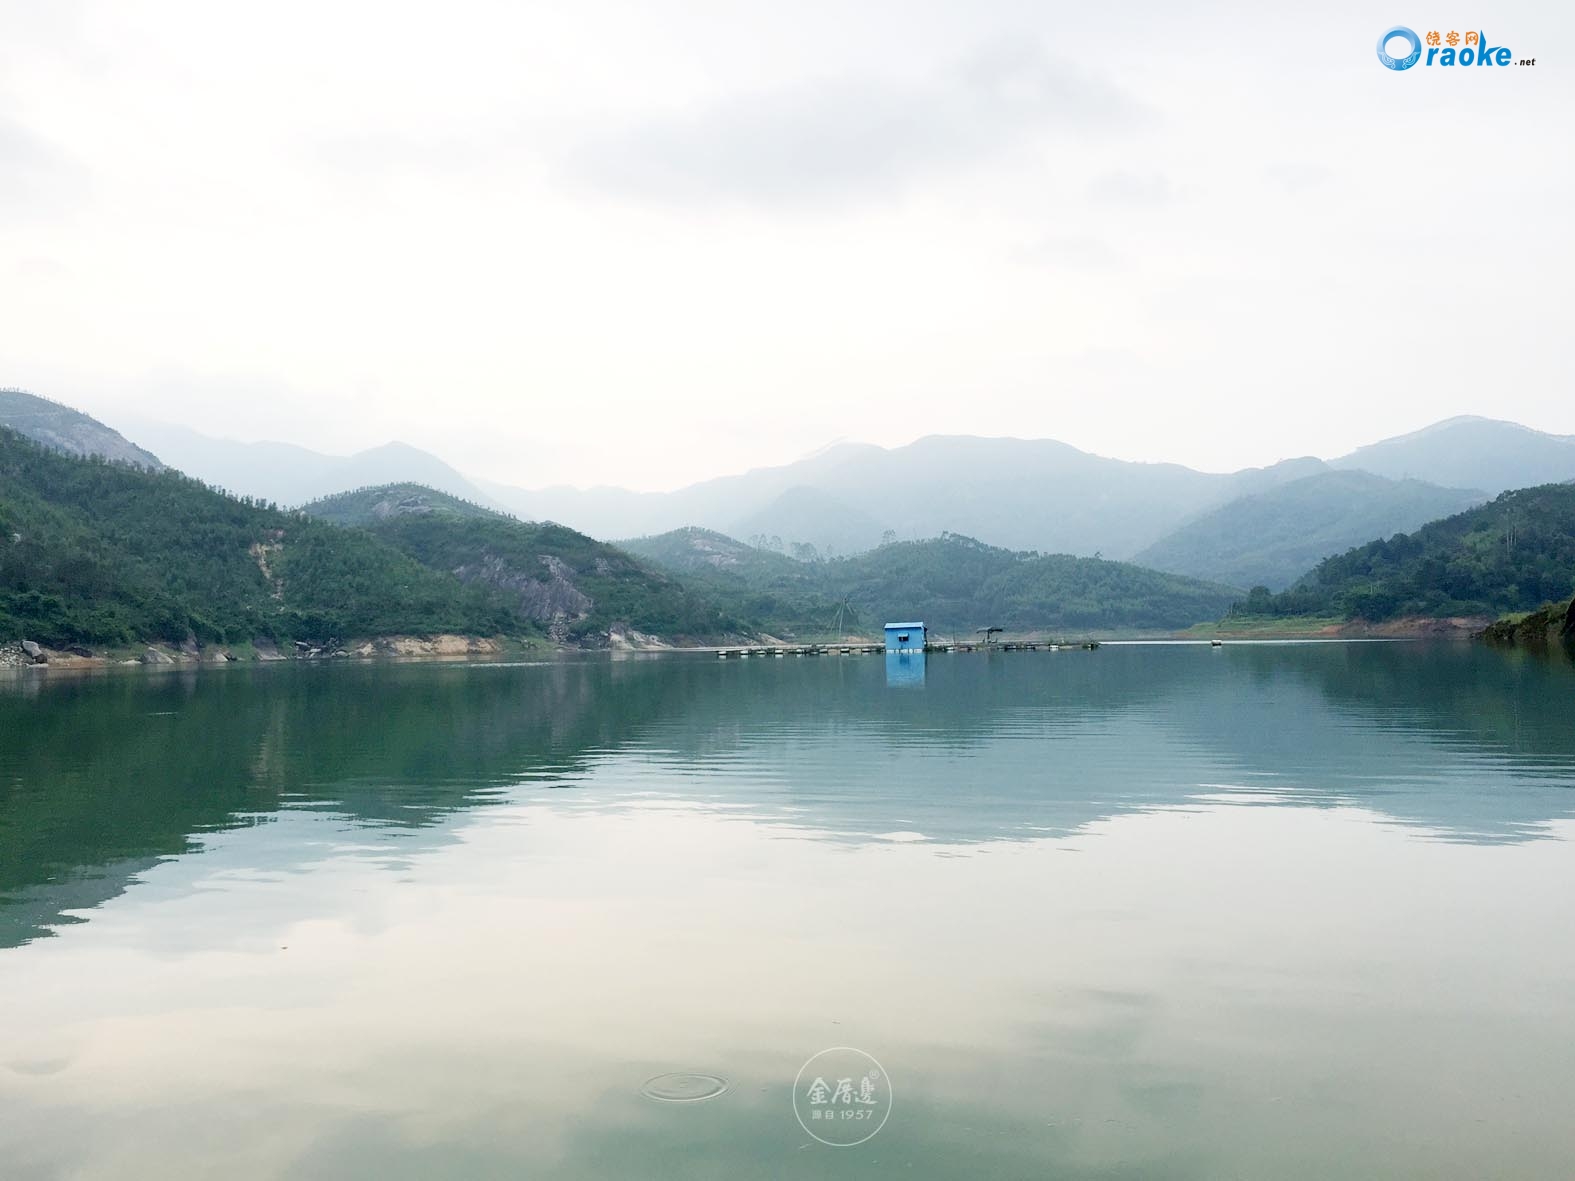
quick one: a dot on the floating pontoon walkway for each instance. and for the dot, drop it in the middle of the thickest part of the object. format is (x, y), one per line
(876, 649)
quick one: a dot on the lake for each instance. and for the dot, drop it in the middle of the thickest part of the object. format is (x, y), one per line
(1154, 911)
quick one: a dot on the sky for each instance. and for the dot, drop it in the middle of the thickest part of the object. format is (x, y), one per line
(646, 244)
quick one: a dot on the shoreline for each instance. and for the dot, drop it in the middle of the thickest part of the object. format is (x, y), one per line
(192, 655)
(450, 646)
(1406, 628)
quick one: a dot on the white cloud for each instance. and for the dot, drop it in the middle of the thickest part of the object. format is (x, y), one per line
(833, 140)
(614, 242)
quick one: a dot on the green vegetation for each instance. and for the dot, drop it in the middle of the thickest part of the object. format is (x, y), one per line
(368, 506)
(101, 553)
(949, 582)
(787, 597)
(578, 587)
(1515, 553)
(109, 554)
(1552, 623)
(955, 581)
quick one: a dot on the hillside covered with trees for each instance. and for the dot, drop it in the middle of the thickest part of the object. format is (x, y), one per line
(790, 597)
(951, 582)
(369, 506)
(94, 552)
(577, 588)
(1513, 554)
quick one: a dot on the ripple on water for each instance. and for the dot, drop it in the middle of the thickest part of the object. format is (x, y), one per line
(683, 1087)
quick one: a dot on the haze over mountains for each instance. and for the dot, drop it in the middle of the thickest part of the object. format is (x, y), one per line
(1272, 538)
(69, 431)
(1257, 526)
(291, 475)
(1469, 452)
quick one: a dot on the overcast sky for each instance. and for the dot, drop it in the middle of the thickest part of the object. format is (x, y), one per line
(644, 244)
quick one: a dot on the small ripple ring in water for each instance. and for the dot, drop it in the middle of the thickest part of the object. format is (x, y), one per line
(683, 1088)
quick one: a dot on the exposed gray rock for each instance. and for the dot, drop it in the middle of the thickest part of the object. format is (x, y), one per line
(414, 504)
(70, 431)
(545, 599)
(154, 656)
(34, 651)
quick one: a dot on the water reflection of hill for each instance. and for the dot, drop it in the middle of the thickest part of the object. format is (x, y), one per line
(1474, 743)
(102, 777)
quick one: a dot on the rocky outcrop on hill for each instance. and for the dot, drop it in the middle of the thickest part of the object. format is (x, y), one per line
(554, 597)
(64, 429)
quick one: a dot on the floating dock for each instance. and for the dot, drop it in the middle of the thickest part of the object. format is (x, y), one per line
(772, 650)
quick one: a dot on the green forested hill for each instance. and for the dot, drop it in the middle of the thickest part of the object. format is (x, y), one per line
(787, 597)
(957, 582)
(94, 552)
(693, 550)
(369, 506)
(950, 582)
(577, 587)
(1514, 553)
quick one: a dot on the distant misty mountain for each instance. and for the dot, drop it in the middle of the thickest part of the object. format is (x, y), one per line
(291, 475)
(724, 503)
(802, 512)
(69, 431)
(1026, 494)
(1260, 525)
(1272, 538)
(1039, 494)
(1470, 453)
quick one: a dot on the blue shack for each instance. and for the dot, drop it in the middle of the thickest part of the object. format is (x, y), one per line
(905, 637)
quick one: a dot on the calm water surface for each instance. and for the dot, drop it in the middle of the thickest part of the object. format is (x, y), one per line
(1300, 911)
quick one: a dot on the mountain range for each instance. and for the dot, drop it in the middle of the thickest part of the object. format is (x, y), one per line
(1259, 526)
(286, 474)
(102, 543)
(1049, 496)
